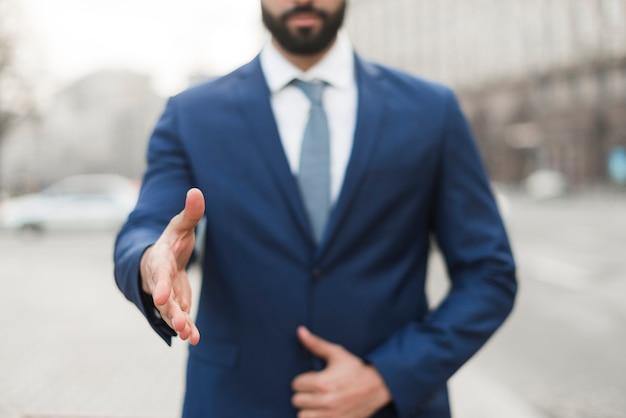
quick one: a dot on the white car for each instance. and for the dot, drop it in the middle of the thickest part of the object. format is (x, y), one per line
(88, 201)
(546, 184)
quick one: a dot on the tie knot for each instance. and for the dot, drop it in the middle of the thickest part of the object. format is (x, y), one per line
(312, 89)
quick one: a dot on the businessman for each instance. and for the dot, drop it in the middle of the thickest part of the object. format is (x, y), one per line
(324, 180)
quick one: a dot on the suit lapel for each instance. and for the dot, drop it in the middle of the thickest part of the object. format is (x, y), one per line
(370, 115)
(253, 95)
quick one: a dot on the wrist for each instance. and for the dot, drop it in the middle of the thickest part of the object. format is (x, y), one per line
(144, 271)
(380, 393)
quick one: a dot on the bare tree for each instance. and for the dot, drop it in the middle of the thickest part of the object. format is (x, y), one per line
(15, 99)
(6, 54)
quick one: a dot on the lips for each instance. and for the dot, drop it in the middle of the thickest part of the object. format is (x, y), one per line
(304, 19)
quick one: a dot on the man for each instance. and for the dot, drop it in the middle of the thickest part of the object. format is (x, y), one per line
(319, 211)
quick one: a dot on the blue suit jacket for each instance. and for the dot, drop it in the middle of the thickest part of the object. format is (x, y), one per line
(414, 173)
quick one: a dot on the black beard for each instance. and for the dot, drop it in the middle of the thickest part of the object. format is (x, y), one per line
(304, 42)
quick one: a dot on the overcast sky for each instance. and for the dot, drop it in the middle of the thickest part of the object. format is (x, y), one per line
(62, 40)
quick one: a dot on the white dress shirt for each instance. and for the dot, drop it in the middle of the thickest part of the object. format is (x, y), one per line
(291, 106)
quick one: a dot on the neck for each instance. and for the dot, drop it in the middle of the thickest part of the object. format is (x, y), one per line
(303, 62)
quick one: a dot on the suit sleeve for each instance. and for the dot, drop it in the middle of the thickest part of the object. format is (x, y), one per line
(162, 196)
(418, 359)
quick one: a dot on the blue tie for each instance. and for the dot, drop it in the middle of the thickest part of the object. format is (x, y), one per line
(314, 172)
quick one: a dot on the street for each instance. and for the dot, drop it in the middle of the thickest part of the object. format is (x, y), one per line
(563, 348)
(72, 346)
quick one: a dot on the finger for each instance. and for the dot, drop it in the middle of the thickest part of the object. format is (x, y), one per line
(313, 413)
(306, 382)
(306, 400)
(168, 306)
(190, 332)
(179, 318)
(194, 338)
(182, 291)
(180, 322)
(162, 290)
(317, 345)
(186, 332)
(187, 220)
(184, 304)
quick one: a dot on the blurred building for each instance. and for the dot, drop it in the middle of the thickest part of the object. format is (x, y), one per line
(543, 82)
(100, 123)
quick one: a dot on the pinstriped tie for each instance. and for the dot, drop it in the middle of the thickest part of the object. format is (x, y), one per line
(314, 171)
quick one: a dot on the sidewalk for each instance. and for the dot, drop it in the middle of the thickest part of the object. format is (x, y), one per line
(473, 395)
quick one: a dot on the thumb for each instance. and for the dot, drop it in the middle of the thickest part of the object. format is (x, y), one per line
(317, 345)
(192, 213)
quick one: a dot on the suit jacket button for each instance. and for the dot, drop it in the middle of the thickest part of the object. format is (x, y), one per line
(316, 273)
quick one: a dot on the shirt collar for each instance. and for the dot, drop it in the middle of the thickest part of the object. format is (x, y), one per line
(335, 68)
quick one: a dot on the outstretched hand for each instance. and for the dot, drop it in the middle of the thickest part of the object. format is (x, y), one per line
(163, 268)
(346, 388)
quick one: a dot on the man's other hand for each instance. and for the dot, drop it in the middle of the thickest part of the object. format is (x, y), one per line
(347, 387)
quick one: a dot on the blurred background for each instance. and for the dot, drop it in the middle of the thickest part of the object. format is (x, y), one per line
(542, 82)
